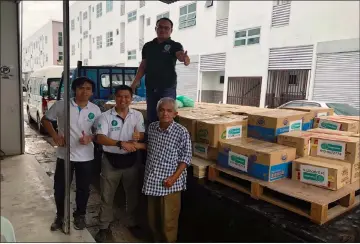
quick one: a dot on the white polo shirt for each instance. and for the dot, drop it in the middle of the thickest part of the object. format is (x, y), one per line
(113, 126)
(80, 120)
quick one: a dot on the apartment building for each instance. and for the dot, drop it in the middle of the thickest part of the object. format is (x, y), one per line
(260, 53)
(43, 48)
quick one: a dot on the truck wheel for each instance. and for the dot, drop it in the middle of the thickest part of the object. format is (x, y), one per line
(30, 120)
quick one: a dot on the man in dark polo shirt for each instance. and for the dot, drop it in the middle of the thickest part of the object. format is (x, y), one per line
(159, 58)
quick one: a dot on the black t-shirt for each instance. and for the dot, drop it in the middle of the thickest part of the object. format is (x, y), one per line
(160, 63)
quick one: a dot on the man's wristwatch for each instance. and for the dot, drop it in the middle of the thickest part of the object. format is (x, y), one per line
(118, 144)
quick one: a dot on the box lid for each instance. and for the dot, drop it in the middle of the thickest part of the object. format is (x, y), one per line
(323, 162)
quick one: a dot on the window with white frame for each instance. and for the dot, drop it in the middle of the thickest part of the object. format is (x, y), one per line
(60, 56)
(98, 10)
(148, 21)
(99, 42)
(163, 15)
(247, 37)
(132, 16)
(72, 49)
(109, 38)
(131, 55)
(60, 39)
(86, 62)
(187, 16)
(109, 5)
(85, 15)
(86, 34)
(72, 24)
(141, 3)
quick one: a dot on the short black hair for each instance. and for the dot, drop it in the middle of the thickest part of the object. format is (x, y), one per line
(167, 19)
(80, 81)
(123, 88)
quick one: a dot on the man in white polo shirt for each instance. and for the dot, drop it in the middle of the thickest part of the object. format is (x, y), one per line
(83, 115)
(119, 130)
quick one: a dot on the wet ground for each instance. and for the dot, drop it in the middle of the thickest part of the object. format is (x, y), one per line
(42, 147)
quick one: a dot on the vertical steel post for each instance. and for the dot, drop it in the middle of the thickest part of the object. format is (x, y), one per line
(66, 59)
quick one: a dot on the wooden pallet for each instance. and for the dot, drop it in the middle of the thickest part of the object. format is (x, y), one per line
(321, 205)
(200, 167)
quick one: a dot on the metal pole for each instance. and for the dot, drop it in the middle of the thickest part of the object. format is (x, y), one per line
(66, 37)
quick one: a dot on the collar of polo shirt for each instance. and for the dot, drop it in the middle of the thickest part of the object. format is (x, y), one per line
(168, 130)
(165, 41)
(75, 104)
(113, 111)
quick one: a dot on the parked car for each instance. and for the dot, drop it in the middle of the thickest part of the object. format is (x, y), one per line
(339, 108)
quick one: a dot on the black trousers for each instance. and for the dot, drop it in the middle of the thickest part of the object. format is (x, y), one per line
(83, 180)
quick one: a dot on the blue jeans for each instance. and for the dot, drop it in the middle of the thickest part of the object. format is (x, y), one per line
(152, 98)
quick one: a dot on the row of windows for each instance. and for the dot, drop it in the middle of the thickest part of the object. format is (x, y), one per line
(187, 14)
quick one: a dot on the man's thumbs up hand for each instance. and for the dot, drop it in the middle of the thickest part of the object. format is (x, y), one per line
(85, 139)
(186, 59)
(136, 135)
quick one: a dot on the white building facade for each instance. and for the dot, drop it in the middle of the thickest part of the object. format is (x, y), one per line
(43, 48)
(260, 53)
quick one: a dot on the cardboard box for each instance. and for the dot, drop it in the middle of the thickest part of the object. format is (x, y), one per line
(355, 135)
(325, 173)
(308, 122)
(204, 151)
(188, 120)
(263, 160)
(333, 123)
(268, 125)
(356, 118)
(340, 148)
(297, 139)
(211, 131)
(331, 132)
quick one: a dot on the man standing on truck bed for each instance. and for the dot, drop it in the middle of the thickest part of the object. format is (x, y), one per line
(158, 65)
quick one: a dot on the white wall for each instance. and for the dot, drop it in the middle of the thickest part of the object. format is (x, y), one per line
(310, 22)
(194, 41)
(11, 119)
(31, 51)
(211, 81)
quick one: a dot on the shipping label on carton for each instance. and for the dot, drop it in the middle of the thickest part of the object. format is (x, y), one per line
(238, 161)
(331, 149)
(232, 132)
(200, 150)
(314, 175)
(295, 125)
(331, 125)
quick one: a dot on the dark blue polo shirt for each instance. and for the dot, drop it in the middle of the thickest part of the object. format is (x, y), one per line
(160, 63)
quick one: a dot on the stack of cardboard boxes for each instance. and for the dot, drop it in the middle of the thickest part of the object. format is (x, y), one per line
(309, 144)
(328, 155)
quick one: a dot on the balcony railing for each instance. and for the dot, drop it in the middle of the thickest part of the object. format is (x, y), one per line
(222, 27)
(141, 43)
(122, 8)
(122, 47)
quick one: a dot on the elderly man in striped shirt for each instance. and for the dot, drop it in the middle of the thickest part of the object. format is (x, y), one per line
(169, 154)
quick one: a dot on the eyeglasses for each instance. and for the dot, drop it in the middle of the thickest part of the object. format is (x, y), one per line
(167, 28)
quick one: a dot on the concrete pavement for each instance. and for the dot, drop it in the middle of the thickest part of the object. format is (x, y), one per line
(27, 201)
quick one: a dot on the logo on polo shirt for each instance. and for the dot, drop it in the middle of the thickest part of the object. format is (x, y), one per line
(167, 48)
(114, 123)
(91, 116)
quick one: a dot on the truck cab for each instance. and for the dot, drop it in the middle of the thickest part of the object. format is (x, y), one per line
(106, 79)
